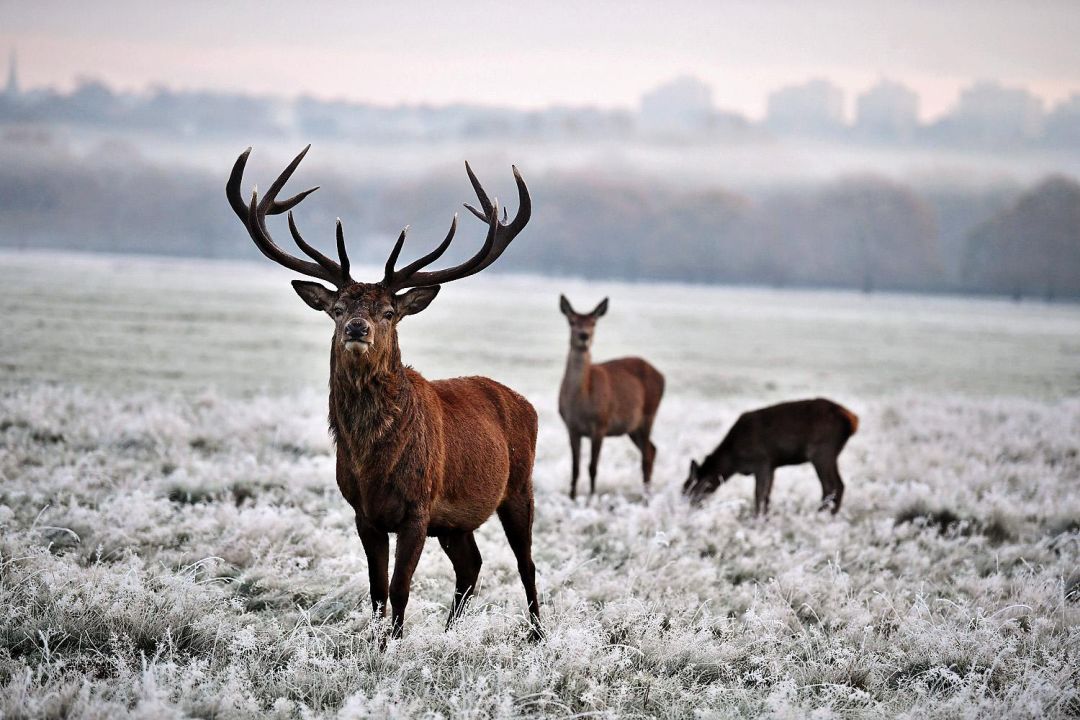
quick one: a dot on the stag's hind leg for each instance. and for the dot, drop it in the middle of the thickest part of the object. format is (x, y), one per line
(516, 515)
(461, 548)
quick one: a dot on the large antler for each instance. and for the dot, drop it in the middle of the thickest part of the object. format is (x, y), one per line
(253, 215)
(500, 235)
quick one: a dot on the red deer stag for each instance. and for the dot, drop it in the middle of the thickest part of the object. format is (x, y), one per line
(790, 433)
(618, 397)
(414, 457)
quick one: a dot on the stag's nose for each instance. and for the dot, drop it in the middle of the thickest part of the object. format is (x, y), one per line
(357, 329)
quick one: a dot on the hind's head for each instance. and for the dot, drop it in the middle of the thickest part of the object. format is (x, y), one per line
(582, 325)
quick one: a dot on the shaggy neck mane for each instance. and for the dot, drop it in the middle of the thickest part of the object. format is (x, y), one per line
(369, 396)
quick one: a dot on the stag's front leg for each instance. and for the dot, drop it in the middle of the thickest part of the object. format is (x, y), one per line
(410, 543)
(377, 548)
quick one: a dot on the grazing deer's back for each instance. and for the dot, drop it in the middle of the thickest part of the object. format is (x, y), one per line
(788, 431)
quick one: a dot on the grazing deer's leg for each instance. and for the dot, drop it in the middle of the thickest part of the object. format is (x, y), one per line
(832, 487)
(595, 443)
(762, 487)
(575, 462)
(516, 515)
(461, 548)
(410, 543)
(377, 548)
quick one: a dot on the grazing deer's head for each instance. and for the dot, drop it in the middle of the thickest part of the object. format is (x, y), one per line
(366, 314)
(701, 481)
(582, 327)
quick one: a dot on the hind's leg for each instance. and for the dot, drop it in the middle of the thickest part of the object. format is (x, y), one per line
(575, 462)
(516, 515)
(595, 444)
(461, 548)
(648, 453)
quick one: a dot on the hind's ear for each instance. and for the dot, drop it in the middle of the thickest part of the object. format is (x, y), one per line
(600, 309)
(315, 295)
(694, 468)
(564, 306)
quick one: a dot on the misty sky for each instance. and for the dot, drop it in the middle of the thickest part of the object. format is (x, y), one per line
(549, 51)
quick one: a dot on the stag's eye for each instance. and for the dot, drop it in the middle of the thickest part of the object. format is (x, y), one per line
(338, 312)
(388, 315)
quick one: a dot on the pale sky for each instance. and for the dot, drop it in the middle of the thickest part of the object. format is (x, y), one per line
(547, 52)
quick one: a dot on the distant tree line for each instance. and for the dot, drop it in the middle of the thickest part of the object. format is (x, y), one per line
(861, 232)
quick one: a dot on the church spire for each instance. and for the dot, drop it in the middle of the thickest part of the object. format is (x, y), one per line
(12, 89)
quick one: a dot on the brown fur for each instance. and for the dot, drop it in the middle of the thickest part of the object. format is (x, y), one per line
(790, 433)
(618, 397)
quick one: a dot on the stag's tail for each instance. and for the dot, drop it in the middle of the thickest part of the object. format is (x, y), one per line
(852, 418)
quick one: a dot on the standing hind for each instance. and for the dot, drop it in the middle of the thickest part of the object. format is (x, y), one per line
(618, 397)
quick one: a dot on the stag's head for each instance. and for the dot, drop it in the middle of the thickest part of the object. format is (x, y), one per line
(582, 326)
(366, 315)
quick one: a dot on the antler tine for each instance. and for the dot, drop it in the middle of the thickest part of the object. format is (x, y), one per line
(253, 215)
(499, 237)
(485, 204)
(329, 265)
(409, 270)
(269, 204)
(257, 231)
(388, 272)
(480, 215)
(461, 270)
(343, 256)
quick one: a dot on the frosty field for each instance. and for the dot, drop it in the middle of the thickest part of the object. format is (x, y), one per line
(172, 543)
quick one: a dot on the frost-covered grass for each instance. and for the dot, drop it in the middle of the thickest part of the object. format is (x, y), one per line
(172, 543)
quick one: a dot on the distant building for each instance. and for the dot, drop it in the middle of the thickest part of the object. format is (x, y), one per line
(680, 107)
(988, 113)
(12, 88)
(888, 111)
(813, 108)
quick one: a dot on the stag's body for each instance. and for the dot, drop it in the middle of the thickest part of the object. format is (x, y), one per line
(414, 458)
(790, 433)
(617, 397)
(436, 459)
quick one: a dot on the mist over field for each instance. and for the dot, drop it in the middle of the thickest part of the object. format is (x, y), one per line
(174, 544)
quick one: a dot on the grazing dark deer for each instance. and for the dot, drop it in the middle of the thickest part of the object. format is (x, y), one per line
(414, 457)
(790, 433)
(618, 397)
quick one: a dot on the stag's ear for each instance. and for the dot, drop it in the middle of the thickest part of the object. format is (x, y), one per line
(600, 309)
(412, 302)
(314, 294)
(564, 306)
